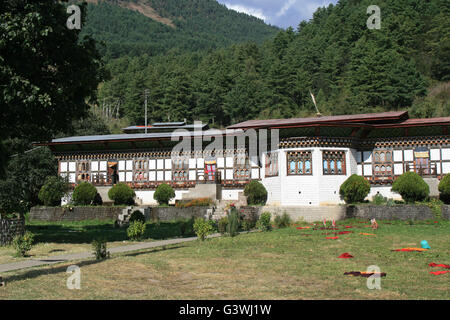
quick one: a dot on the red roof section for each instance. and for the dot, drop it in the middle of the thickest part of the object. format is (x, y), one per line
(367, 118)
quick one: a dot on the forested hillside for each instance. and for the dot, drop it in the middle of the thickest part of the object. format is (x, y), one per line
(350, 68)
(135, 27)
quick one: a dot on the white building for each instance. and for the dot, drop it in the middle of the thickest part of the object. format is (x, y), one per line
(303, 163)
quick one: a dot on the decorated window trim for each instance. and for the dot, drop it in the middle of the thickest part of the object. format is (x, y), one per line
(241, 168)
(83, 171)
(141, 172)
(383, 163)
(271, 164)
(299, 163)
(334, 163)
(180, 169)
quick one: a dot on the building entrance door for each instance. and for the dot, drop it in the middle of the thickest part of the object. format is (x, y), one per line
(210, 170)
(422, 161)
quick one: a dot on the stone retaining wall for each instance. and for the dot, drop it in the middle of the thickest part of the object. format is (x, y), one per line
(9, 228)
(446, 212)
(396, 212)
(174, 213)
(77, 213)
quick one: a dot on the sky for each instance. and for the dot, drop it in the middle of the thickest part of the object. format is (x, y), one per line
(281, 13)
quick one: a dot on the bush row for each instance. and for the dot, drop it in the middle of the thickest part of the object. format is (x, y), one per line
(409, 185)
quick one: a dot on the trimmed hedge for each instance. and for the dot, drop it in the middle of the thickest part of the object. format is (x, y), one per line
(355, 189)
(444, 189)
(122, 194)
(256, 193)
(411, 187)
(164, 193)
(84, 194)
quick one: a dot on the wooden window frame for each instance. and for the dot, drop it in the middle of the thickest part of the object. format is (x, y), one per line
(238, 168)
(180, 166)
(336, 156)
(271, 159)
(379, 163)
(300, 156)
(141, 167)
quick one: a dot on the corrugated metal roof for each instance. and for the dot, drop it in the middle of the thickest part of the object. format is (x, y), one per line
(363, 118)
(141, 136)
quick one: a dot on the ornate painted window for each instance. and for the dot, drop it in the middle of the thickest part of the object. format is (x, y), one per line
(299, 163)
(382, 163)
(272, 164)
(83, 172)
(180, 169)
(334, 162)
(241, 167)
(140, 170)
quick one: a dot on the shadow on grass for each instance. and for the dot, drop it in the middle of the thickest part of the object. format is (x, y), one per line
(152, 250)
(79, 233)
(31, 274)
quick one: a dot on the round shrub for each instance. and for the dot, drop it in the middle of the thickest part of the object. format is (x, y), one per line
(136, 230)
(355, 189)
(256, 193)
(444, 189)
(84, 194)
(411, 187)
(164, 193)
(23, 243)
(202, 228)
(137, 216)
(53, 190)
(122, 194)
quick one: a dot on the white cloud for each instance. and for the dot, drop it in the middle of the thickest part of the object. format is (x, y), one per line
(250, 11)
(285, 8)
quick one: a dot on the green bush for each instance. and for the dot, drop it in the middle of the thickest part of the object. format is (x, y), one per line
(136, 230)
(163, 194)
(256, 193)
(444, 189)
(122, 194)
(233, 222)
(263, 223)
(283, 221)
(23, 243)
(84, 194)
(137, 216)
(411, 187)
(99, 247)
(222, 225)
(202, 228)
(355, 189)
(53, 190)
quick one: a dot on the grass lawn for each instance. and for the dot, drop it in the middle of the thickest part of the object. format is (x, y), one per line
(281, 264)
(56, 238)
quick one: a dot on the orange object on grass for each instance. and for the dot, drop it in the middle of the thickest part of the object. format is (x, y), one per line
(368, 234)
(332, 238)
(411, 249)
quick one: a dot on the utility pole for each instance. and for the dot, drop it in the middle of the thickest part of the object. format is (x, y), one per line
(146, 98)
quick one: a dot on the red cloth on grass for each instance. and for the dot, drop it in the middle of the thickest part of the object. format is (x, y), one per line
(345, 255)
(332, 238)
(436, 273)
(345, 232)
(439, 265)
